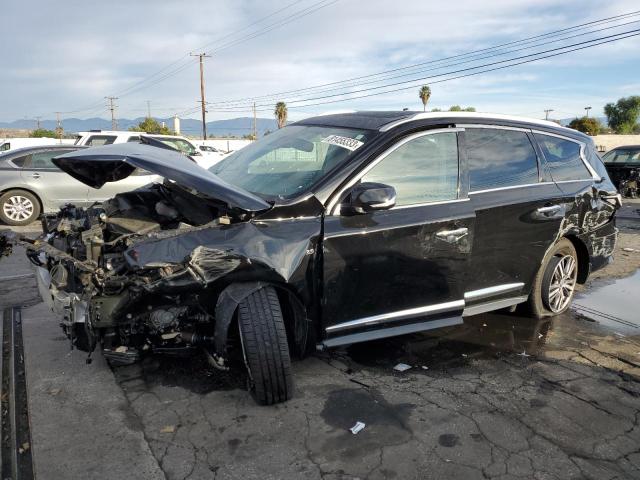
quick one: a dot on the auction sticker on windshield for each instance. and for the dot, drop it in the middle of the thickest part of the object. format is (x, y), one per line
(344, 142)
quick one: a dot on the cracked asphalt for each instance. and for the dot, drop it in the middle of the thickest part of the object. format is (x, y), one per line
(502, 397)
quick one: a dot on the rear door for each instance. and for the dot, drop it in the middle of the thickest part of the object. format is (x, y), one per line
(518, 214)
(404, 269)
(53, 185)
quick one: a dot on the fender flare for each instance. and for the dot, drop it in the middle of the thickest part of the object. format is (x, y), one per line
(226, 306)
(300, 332)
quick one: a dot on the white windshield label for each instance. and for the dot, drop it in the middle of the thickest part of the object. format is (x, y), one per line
(344, 142)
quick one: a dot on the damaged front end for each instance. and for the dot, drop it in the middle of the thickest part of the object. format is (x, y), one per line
(143, 272)
(87, 272)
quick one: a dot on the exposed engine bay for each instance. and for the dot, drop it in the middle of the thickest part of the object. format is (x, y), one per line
(85, 262)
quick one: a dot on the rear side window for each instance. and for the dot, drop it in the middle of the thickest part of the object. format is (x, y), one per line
(5, 147)
(135, 138)
(21, 161)
(97, 140)
(422, 170)
(562, 158)
(43, 159)
(499, 158)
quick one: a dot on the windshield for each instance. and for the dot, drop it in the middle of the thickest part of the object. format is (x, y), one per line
(287, 162)
(623, 156)
(179, 144)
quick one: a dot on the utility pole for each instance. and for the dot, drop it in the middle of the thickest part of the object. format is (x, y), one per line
(148, 108)
(38, 123)
(255, 125)
(112, 107)
(587, 110)
(202, 100)
(59, 126)
(546, 113)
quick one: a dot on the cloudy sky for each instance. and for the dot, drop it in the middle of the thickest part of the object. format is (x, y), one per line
(67, 56)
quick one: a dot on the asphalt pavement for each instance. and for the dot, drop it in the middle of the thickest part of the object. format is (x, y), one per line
(502, 396)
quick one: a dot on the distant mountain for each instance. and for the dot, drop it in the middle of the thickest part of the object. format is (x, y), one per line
(236, 127)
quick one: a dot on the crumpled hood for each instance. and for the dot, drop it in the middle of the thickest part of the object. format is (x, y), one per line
(98, 165)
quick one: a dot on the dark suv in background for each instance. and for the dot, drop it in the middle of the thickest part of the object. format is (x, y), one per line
(334, 230)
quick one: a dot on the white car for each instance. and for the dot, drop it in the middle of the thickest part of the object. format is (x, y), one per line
(96, 138)
(15, 143)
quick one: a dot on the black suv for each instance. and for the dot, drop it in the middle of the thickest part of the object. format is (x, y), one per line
(334, 230)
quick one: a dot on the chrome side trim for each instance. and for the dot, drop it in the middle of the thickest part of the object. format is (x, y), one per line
(333, 207)
(494, 127)
(495, 305)
(491, 291)
(426, 204)
(399, 315)
(497, 189)
(391, 331)
(469, 116)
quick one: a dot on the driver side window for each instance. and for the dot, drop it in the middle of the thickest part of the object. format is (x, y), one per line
(422, 170)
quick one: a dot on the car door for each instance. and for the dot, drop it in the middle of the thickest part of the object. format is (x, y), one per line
(54, 187)
(518, 214)
(404, 269)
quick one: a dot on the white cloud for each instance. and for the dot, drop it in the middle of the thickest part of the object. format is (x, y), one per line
(66, 56)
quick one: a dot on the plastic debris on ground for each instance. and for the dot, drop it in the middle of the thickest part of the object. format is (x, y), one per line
(357, 427)
(402, 367)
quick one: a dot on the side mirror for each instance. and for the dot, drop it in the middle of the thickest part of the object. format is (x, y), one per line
(368, 197)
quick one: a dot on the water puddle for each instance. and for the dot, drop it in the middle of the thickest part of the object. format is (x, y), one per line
(613, 304)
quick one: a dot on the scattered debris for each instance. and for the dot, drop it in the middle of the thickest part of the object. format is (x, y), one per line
(627, 249)
(24, 447)
(464, 355)
(523, 354)
(54, 391)
(357, 427)
(359, 383)
(168, 429)
(424, 367)
(402, 367)
(619, 334)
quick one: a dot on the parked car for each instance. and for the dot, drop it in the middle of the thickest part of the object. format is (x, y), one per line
(334, 230)
(30, 184)
(204, 158)
(623, 165)
(8, 144)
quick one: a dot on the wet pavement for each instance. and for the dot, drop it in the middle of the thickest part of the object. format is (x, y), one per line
(502, 396)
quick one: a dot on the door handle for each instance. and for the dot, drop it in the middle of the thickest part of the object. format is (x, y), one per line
(35, 175)
(452, 236)
(549, 209)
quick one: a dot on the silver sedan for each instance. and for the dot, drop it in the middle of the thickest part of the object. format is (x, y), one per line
(31, 184)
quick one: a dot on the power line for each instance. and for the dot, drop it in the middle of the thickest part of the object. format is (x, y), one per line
(499, 54)
(607, 39)
(516, 42)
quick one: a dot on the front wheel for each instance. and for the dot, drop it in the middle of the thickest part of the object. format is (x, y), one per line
(265, 347)
(19, 207)
(555, 282)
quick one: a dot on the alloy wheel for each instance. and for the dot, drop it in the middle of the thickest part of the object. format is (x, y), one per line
(563, 283)
(18, 208)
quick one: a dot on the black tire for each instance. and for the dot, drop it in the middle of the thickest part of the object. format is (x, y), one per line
(6, 200)
(266, 351)
(538, 303)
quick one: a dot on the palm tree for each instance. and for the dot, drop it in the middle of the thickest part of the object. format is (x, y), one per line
(424, 93)
(281, 114)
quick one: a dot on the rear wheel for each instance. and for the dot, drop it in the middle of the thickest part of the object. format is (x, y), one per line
(555, 282)
(19, 207)
(266, 351)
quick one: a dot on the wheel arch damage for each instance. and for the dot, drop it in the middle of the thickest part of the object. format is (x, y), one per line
(293, 310)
